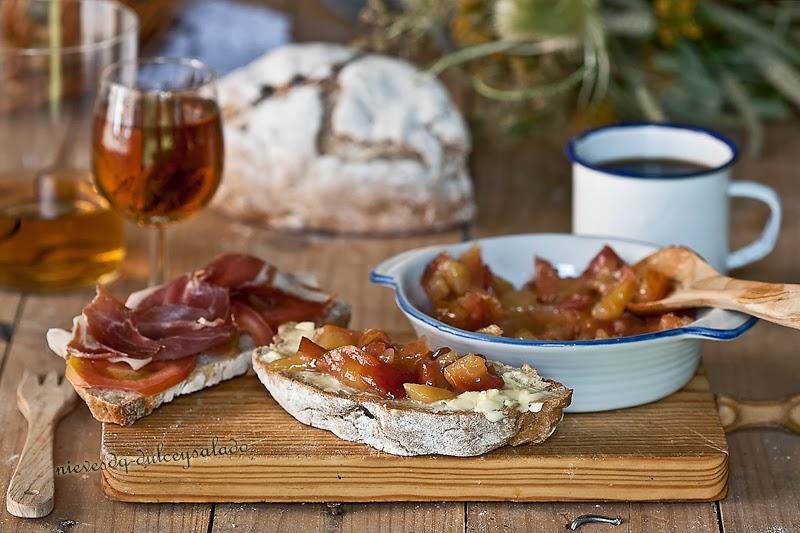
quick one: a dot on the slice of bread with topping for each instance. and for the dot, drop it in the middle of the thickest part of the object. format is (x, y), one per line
(124, 407)
(526, 410)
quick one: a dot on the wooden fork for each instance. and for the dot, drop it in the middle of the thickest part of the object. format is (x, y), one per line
(43, 400)
(697, 284)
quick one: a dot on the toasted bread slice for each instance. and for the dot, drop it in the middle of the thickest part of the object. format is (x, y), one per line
(124, 407)
(471, 424)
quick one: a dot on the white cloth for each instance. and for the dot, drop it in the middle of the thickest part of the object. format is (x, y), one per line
(225, 34)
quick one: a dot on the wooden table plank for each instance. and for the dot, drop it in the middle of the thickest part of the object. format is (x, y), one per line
(9, 313)
(345, 518)
(542, 517)
(275, 517)
(764, 471)
(553, 517)
(402, 518)
(668, 517)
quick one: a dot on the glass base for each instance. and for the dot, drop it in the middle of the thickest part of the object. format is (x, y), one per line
(56, 277)
(56, 232)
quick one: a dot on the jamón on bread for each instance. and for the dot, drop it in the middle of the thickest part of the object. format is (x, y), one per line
(124, 407)
(523, 409)
(126, 359)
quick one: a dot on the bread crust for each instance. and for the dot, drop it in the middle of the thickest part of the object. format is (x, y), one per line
(125, 407)
(406, 428)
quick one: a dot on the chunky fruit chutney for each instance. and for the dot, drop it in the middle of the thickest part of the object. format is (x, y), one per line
(465, 293)
(369, 361)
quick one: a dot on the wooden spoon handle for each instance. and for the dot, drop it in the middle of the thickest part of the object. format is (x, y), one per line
(32, 488)
(774, 302)
(740, 414)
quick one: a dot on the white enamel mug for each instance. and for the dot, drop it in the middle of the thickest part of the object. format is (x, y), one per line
(690, 209)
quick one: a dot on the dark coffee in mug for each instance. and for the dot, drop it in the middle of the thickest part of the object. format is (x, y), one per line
(616, 190)
(661, 167)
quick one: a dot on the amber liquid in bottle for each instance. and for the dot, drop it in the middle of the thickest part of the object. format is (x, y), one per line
(56, 232)
(162, 163)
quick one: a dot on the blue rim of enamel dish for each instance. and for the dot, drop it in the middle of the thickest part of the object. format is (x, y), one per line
(408, 308)
(572, 155)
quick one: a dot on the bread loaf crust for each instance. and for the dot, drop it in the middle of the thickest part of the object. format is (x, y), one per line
(324, 137)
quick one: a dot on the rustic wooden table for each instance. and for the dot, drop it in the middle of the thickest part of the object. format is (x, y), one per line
(521, 189)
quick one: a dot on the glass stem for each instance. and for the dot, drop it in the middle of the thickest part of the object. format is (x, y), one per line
(158, 255)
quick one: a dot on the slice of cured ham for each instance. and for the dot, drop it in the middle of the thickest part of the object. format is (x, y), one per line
(189, 290)
(196, 312)
(236, 270)
(110, 323)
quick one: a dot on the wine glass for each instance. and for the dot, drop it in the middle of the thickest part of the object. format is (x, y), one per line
(157, 147)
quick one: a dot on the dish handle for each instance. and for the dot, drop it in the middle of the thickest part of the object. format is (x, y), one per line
(387, 272)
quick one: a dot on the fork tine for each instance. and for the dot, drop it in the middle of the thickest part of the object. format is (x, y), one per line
(51, 379)
(28, 382)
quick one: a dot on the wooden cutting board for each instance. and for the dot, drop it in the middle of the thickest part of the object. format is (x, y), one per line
(233, 443)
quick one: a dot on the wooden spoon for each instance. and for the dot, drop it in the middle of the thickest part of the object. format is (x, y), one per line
(697, 284)
(32, 489)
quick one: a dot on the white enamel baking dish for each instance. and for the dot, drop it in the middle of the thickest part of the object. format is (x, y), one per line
(605, 373)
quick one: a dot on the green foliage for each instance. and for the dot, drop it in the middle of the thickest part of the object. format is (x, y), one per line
(732, 64)
(525, 20)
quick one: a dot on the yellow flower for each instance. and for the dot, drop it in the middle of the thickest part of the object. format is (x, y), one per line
(471, 23)
(676, 18)
(465, 6)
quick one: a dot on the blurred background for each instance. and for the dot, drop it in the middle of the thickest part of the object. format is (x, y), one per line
(531, 67)
(529, 74)
(526, 74)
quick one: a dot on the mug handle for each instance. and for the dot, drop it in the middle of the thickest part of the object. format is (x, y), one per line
(760, 247)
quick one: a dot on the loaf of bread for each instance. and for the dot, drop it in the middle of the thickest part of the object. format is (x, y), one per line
(323, 137)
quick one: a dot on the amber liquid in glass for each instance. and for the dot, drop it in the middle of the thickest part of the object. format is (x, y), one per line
(161, 164)
(56, 232)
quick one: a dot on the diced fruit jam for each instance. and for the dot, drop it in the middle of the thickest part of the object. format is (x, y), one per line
(369, 361)
(465, 293)
(426, 393)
